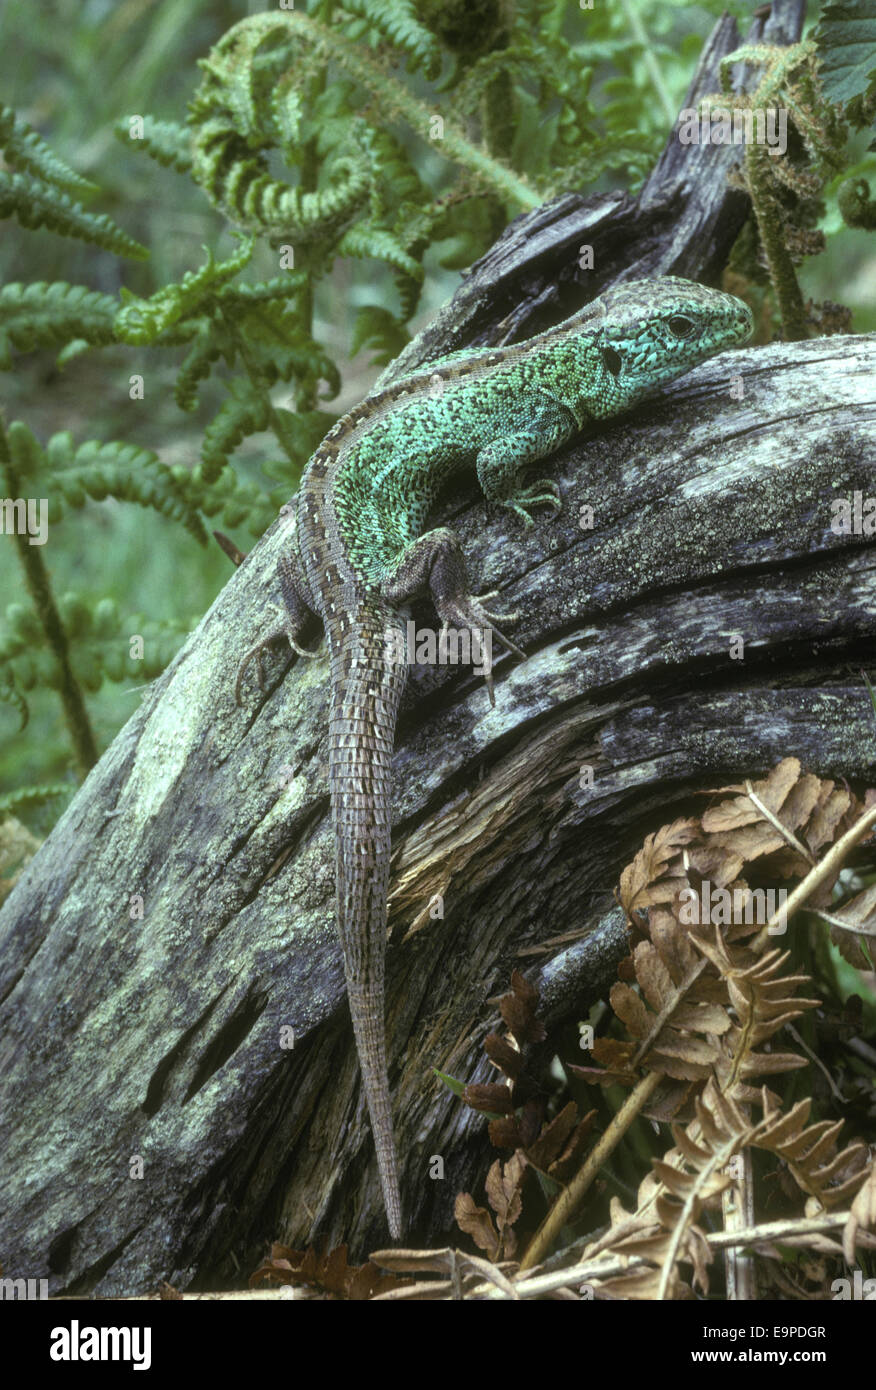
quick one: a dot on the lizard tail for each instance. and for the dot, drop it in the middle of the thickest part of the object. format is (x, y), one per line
(366, 1007)
(367, 686)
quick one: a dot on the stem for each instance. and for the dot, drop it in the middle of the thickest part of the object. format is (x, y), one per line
(772, 236)
(258, 381)
(36, 579)
(824, 869)
(572, 1196)
(395, 101)
(640, 35)
(566, 1276)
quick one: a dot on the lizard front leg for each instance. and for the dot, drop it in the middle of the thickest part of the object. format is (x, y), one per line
(295, 614)
(502, 463)
(436, 562)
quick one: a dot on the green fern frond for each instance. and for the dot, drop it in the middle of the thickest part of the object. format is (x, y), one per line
(409, 289)
(364, 240)
(519, 60)
(230, 135)
(115, 469)
(144, 320)
(237, 182)
(167, 142)
(395, 181)
(38, 204)
(50, 315)
(543, 61)
(234, 77)
(397, 21)
(32, 796)
(100, 641)
(286, 286)
(33, 669)
(380, 331)
(287, 112)
(26, 454)
(99, 470)
(28, 152)
(252, 324)
(99, 646)
(210, 343)
(278, 350)
(233, 500)
(630, 148)
(299, 432)
(246, 411)
(11, 695)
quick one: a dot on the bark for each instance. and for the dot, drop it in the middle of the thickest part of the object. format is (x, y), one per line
(166, 1038)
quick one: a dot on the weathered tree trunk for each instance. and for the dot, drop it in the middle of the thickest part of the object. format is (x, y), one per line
(166, 1038)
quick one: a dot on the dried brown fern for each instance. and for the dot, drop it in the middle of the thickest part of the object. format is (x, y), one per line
(711, 997)
(553, 1148)
(666, 1230)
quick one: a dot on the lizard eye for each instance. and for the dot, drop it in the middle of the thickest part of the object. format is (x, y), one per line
(680, 325)
(612, 360)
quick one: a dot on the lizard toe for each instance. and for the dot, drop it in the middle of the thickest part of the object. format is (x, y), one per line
(254, 656)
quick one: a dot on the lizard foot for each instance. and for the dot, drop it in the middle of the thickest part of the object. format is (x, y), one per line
(436, 561)
(543, 490)
(255, 654)
(468, 611)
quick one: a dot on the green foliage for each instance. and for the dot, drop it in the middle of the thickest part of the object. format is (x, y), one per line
(246, 411)
(168, 142)
(100, 642)
(396, 22)
(36, 203)
(373, 132)
(52, 315)
(25, 150)
(142, 321)
(253, 326)
(75, 644)
(37, 195)
(855, 204)
(68, 475)
(785, 193)
(11, 695)
(846, 43)
(31, 796)
(378, 329)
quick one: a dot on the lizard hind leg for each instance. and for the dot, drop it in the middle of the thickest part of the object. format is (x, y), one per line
(435, 562)
(294, 617)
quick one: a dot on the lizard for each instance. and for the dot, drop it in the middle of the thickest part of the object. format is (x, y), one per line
(360, 553)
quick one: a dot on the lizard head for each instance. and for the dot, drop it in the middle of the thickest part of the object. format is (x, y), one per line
(654, 330)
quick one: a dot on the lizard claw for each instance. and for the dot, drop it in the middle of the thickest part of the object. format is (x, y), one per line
(255, 655)
(468, 611)
(543, 490)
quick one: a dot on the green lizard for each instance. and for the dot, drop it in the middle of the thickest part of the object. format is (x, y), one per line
(359, 555)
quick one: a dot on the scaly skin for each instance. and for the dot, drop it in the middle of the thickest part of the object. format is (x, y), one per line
(360, 556)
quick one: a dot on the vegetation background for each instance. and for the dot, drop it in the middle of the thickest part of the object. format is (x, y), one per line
(75, 70)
